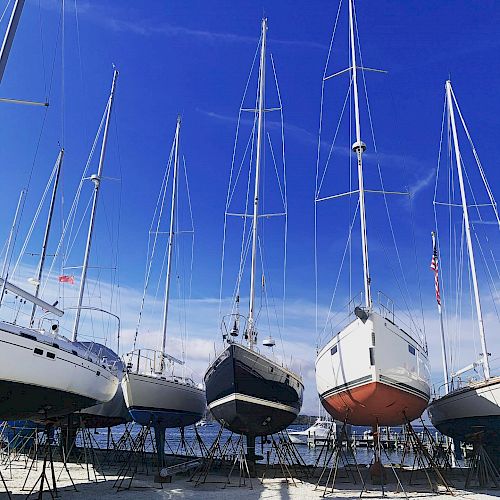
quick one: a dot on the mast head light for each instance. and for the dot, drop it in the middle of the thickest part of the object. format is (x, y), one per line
(359, 145)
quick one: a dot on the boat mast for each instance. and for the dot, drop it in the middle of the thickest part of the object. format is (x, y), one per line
(451, 113)
(359, 148)
(96, 179)
(43, 253)
(9, 35)
(171, 233)
(258, 158)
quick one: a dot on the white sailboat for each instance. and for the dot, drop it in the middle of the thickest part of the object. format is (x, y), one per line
(469, 410)
(154, 393)
(43, 375)
(375, 370)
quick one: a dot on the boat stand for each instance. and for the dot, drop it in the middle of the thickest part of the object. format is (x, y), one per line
(482, 472)
(18, 449)
(335, 456)
(244, 459)
(378, 472)
(201, 444)
(184, 448)
(423, 460)
(120, 448)
(213, 460)
(47, 468)
(137, 457)
(284, 454)
(86, 451)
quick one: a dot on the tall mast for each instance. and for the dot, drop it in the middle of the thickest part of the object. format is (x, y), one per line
(96, 179)
(171, 232)
(470, 250)
(258, 158)
(43, 253)
(359, 148)
(9, 35)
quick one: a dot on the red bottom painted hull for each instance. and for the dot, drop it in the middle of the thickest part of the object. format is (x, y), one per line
(375, 403)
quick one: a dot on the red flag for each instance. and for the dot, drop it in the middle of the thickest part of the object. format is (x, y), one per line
(435, 268)
(67, 279)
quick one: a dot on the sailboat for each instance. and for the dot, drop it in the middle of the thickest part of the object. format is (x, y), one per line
(154, 393)
(373, 371)
(43, 375)
(469, 411)
(247, 392)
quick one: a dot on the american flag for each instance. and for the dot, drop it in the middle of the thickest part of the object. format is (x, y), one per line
(435, 268)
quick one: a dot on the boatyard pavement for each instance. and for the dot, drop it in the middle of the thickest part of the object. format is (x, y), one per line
(144, 487)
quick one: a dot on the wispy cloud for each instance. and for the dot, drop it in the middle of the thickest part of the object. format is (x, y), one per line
(423, 182)
(116, 20)
(147, 27)
(299, 133)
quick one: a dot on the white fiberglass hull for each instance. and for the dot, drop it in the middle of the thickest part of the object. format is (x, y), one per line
(44, 377)
(373, 373)
(161, 402)
(467, 411)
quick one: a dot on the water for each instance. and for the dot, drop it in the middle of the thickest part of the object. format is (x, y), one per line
(208, 434)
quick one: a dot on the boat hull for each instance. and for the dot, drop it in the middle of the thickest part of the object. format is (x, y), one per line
(42, 377)
(162, 403)
(469, 414)
(109, 414)
(250, 394)
(373, 373)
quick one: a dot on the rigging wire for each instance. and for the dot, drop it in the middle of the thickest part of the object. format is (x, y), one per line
(160, 204)
(228, 197)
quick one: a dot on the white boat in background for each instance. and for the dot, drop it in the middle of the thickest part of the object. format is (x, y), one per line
(43, 375)
(375, 370)
(155, 393)
(467, 410)
(320, 429)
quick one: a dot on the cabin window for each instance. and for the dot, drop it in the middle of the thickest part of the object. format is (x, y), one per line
(411, 349)
(333, 350)
(38, 351)
(372, 356)
(51, 355)
(373, 338)
(97, 372)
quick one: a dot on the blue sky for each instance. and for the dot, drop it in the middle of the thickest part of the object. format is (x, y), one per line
(193, 58)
